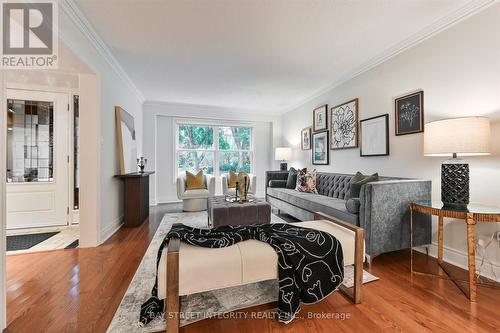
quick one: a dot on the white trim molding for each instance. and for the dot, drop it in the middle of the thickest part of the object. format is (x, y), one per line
(442, 24)
(71, 9)
(111, 229)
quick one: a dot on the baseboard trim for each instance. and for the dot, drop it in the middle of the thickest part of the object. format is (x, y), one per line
(460, 259)
(111, 229)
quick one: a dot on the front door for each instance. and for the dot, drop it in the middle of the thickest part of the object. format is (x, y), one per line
(37, 159)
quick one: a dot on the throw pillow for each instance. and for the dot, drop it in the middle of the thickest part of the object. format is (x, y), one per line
(360, 180)
(233, 178)
(195, 182)
(306, 182)
(352, 205)
(292, 177)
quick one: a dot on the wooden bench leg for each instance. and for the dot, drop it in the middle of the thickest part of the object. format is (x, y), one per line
(172, 308)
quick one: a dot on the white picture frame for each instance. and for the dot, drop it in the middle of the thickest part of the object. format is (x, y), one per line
(375, 136)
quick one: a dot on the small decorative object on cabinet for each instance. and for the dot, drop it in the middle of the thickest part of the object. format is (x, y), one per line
(136, 194)
(410, 113)
(141, 163)
(457, 137)
(320, 151)
(306, 138)
(283, 154)
(375, 136)
(320, 118)
(344, 125)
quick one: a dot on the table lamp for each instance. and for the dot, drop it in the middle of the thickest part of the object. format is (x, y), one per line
(457, 137)
(283, 154)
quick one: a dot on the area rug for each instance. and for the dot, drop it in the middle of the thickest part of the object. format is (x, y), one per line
(197, 306)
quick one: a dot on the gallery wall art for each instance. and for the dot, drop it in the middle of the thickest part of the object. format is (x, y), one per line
(127, 144)
(320, 118)
(409, 113)
(320, 150)
(344, 125)
(375, 136)
(305, 135)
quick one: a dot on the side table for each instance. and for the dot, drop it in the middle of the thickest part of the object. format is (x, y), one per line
(136, 197)
(475, 213)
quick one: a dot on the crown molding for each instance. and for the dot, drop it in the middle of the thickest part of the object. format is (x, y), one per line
(440, 25)
(85, 27)
(212, 108)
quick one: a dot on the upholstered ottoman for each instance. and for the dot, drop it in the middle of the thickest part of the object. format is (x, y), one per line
(221, 212)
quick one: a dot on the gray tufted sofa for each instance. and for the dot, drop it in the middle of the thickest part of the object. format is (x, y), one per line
(383, 207)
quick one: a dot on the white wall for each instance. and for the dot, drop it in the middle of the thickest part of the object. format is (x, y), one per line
(114, 90)
(158, 147)
(459, 71)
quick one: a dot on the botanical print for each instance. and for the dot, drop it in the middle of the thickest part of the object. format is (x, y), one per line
(410, 114)
(306, 138)
(320, 148)
(344, 125)
(320, 118)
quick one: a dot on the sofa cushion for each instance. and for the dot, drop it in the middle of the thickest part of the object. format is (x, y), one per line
(315, 203)
(353, 205)
(201, 267)
(196, 194)
(334, 185)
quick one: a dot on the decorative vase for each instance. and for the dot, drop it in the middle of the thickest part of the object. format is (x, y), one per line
(141, 163)
(243, 185)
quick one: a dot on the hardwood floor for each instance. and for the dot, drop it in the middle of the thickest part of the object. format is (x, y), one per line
(78, 290)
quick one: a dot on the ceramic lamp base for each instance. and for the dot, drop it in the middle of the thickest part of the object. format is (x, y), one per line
(455, 183)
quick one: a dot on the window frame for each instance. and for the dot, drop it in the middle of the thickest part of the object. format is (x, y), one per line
(215, 125)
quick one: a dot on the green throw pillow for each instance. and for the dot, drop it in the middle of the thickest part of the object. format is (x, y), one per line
(291, 182)
(360, 180)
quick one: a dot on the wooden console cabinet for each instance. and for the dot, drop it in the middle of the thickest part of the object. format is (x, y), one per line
(136, 194)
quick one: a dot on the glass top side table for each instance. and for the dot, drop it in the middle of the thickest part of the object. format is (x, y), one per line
(475, 213)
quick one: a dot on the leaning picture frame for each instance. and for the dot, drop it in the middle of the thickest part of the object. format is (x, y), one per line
(127, 144)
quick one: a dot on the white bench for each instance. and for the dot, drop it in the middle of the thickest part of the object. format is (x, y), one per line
(185, 269)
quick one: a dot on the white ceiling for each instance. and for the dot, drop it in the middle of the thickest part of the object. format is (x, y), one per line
(256, 55)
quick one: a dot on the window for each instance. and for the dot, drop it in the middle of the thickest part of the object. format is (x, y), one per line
(213, 149)
(30, 135)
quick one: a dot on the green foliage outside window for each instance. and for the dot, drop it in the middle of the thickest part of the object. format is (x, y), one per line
(197, 151)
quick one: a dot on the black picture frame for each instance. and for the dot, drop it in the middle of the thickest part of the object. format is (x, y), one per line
(384, 119)
(323, 110)
(409, 113)
(327, 148)
(306, 131)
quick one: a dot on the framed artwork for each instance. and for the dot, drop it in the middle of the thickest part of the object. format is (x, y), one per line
(320, 118)
(305, 135)
(320, 151)
(344, 125)
(127, 144)
(375, 136)
(410, 113)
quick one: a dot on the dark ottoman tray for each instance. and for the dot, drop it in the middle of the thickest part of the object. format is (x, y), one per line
(221, 212)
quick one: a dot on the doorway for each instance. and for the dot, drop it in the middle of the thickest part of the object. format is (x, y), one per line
(39, 171)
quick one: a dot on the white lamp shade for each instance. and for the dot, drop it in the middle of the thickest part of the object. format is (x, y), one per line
(468, 136)
(283, 154)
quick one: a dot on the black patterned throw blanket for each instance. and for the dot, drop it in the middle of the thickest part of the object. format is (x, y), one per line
(310, 262)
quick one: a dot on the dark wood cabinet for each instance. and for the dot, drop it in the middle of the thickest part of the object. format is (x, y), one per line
(136, 195)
